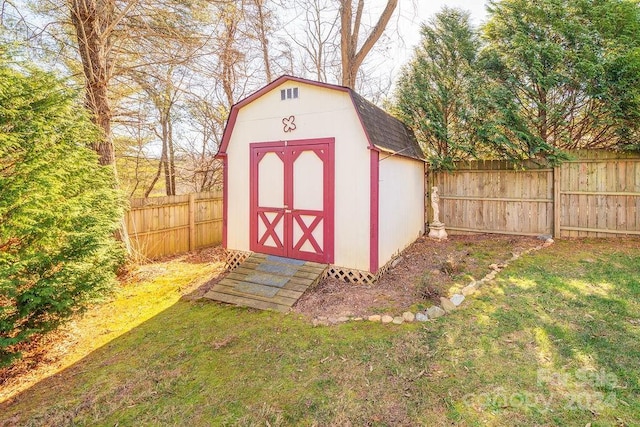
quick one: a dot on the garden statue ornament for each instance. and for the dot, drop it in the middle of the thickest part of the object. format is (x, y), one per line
(436, 228)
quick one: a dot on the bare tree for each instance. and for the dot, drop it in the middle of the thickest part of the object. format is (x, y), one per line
(228, 60)
(316, 38)
(224, 48)
(164, 90)
(200, 169)
(132, 136)
(352, 53)
(140, 52)
(262, 18)
(94, 22)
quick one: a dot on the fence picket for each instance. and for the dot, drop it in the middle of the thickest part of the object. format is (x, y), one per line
(161, 226)
(595, 195)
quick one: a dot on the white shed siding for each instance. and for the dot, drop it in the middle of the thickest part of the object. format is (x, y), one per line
(401, 211)
(319, 113)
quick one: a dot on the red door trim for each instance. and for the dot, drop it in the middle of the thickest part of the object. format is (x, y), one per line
(271, 227)
(288, 157)
(307, 231)
(373, 211)
(225, 197)
(257, 152)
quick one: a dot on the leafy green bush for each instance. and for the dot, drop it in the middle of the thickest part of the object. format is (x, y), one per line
(58, 208)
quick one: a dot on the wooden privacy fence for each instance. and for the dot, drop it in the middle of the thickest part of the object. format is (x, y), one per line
(160, 226)
(596, 195)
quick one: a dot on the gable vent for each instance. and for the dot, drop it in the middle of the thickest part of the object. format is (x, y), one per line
(291, 93)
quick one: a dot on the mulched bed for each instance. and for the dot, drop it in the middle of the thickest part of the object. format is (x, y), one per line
(426, 270)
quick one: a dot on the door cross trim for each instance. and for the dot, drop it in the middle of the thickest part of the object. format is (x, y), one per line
(270, 228)
(288, 152)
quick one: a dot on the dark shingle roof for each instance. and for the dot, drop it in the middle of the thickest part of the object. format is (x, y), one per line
(385, 131)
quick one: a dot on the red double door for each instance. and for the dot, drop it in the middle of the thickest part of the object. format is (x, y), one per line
(292, 199)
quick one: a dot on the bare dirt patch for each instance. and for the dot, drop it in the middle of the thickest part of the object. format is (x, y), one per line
(425, 271)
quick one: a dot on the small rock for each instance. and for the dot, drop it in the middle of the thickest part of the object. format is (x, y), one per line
(470, 288)
(396, 262)
(435, 312)
(408, 316)
(421, 317)
(491, 275)
(398, 320)
(357, 319)
(436, 272)
(548, 243)
(343, 319)
(457, 299)
(446, 304)
(374, 318)
(386, 319)
(545, 237)
(494, 266)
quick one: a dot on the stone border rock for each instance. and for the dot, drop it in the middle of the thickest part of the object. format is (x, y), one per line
(447, 305)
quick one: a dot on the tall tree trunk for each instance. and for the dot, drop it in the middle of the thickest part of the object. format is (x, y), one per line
(92, 21)
(351, 57)
(167, 156)
(172, 155)
(229, 55)
(154, 180)
(263, 38)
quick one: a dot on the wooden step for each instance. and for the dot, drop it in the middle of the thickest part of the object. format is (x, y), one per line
(267, 282)
(247, 302)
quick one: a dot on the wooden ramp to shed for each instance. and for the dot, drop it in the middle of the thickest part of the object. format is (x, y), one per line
(267, 282)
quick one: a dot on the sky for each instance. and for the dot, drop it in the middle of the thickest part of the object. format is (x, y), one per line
(412, 13)
(386, 63)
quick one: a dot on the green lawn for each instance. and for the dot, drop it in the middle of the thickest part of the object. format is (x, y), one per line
(554, 341)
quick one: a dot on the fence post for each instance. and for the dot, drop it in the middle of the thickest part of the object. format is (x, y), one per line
(428, 176)
(556, 201)
(192, 221)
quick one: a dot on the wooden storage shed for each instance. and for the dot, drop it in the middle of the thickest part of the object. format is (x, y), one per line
(315, 172)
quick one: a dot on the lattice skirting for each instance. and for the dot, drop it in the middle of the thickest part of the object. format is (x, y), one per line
(235, 258)
(384, 268)
(357, 277)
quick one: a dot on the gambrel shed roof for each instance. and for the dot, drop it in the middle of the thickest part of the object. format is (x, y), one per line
(384, 132)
